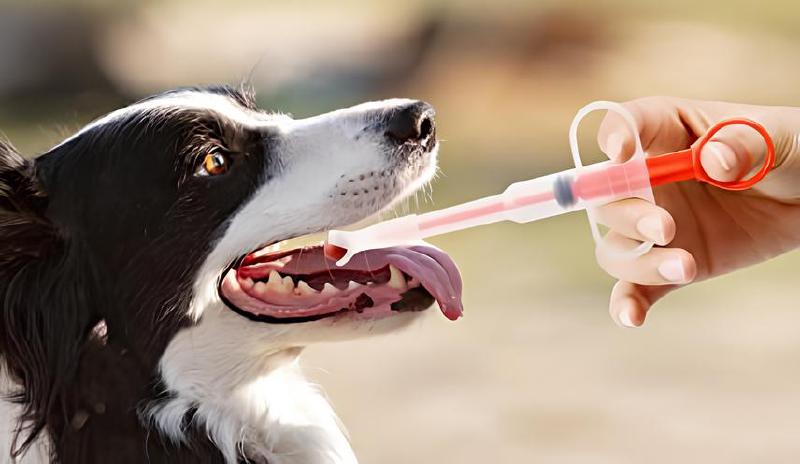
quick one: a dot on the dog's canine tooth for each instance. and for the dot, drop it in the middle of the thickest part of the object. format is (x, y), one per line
(329, 289)
(275, 283)
(304, 289)
(396, 279)
(274, 278)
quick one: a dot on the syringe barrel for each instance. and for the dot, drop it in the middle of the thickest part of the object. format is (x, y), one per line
(477, 212)
(576, 189)
(539, 198)
(605, 182)
(543, 197)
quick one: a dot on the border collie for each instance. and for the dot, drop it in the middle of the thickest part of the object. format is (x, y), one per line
(148, 314)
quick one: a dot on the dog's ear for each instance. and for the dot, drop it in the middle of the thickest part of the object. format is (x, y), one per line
(45, 315)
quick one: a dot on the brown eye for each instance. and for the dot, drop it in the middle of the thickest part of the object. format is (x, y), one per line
(214, 164)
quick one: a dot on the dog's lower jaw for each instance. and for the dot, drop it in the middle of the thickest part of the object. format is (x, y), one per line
(252, 401)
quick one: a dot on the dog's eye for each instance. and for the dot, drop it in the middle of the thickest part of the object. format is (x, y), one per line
(214, 164)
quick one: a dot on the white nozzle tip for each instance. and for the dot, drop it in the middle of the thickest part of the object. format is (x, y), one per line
(381, 235)
(338, 242)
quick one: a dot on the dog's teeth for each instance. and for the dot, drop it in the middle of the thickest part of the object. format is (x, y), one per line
(304, 289)
(260, 288)
(247, 283)
(288, 284)
(274, 277)
(396, 279)
(275, 284)
(353, 285)
(329, 289)
(275, 247)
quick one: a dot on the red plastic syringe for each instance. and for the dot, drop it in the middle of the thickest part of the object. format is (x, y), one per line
(566, 191)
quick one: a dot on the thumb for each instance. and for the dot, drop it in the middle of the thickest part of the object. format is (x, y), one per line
(732, 153)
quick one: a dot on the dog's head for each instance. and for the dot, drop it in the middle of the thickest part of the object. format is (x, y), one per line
(159, 223)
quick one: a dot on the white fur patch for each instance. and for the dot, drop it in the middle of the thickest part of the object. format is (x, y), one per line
(262, 410)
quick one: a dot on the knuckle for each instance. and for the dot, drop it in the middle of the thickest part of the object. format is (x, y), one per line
(656, 100)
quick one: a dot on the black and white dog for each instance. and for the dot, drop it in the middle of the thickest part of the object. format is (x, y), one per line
(148, 314)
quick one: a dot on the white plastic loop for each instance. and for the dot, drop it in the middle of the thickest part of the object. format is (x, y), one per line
(646, 194)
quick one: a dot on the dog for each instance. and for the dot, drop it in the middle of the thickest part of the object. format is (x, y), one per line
(148, 314)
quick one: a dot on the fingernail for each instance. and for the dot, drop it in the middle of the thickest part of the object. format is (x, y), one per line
(652, 228)
(672, 270)
(614, 145)
(625, 318)
(717, 152)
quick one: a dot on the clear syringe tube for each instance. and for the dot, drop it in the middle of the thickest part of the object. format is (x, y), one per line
(536, 196)
(543, 197)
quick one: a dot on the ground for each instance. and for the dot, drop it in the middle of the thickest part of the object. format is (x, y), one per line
(537, 372)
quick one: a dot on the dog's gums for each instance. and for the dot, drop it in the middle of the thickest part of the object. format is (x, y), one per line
(303, 284)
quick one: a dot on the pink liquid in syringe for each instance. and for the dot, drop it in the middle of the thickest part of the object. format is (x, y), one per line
(492, 208)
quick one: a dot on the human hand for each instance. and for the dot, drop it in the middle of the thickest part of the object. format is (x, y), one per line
(701, 231)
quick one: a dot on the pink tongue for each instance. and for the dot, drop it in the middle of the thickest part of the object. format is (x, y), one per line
(435, 271)
(432, 268)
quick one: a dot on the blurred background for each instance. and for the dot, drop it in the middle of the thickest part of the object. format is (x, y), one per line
(535, 371)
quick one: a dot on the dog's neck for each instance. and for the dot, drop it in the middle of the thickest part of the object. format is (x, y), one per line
(248, 395)
(275, 418)
(95, 420)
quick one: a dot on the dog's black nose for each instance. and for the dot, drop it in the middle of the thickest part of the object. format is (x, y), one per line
(412, 123)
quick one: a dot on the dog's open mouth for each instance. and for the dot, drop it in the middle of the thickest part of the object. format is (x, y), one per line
(302, 284)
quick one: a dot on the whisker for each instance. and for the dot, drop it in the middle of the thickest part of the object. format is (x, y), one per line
(328, 268)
